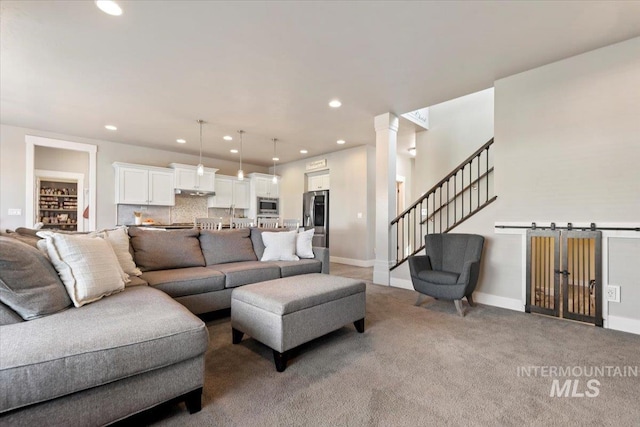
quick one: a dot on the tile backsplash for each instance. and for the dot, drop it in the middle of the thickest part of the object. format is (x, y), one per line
(186, 209)
(160, 214)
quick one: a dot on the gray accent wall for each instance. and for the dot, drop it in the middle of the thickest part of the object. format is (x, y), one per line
(624, 271)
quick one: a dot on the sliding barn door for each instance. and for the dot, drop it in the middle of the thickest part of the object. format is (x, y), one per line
(543, 260)
(582, 282)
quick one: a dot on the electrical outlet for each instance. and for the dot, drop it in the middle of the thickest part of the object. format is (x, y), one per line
(613, 293)
(143, 208)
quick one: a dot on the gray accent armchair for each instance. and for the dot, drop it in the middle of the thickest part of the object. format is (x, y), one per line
(450, 268)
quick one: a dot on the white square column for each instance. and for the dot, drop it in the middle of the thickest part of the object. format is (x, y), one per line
(386, 126)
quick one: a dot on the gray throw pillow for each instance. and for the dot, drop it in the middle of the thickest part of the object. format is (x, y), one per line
(256, 238)
(28, 282)
(219, 247)
(164, 250)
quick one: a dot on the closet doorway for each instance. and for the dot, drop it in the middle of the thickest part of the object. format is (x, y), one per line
(31, 196)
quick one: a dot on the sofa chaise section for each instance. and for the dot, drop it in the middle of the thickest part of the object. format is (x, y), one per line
(137, 340)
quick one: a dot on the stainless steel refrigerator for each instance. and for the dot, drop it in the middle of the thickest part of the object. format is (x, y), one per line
(315, 214)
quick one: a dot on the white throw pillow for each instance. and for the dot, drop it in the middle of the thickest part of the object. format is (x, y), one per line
(279, 246)
(88, 266)
(119, 240)
(304, 248)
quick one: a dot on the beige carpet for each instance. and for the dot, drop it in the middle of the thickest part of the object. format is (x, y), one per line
(417, 366)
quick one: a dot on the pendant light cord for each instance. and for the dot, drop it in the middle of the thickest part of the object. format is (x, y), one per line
(200, 121)
(241, 132)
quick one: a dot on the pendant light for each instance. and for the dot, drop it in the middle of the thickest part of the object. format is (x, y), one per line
(275, 178)
(200, 167)
(240, 171)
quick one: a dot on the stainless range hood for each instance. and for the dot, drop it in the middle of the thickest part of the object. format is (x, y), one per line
(194, 193)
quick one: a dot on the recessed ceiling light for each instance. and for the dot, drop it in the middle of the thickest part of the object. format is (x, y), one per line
(234, 151)
(275, 159)
(110, 127)
(341, 141)
(227, 138)
(335, 103)
(181, 141)
(303, 151)
(109, 7)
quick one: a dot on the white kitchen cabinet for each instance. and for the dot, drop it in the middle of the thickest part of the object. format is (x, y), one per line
(230, 192)
(241, 194)
(187, 178)
(318, 182)
(265, 187)
(224, 193)
(144, 185)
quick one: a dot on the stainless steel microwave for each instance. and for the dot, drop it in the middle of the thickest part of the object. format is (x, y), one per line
(268, 206)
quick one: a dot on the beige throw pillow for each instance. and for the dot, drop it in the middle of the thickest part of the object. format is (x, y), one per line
(87, 265)
(119, 240)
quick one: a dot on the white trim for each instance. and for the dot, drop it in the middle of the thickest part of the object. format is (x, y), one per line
(401, 283)
(498, 301)
(351, 261)
(624, 324)
(31, 141)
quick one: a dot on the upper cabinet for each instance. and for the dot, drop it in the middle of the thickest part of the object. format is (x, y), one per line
(318, 182)
(186, 178)
(230, 192)
(265, 187)
(144, 185)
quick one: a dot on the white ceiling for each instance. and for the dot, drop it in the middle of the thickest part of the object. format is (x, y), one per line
(270, 68)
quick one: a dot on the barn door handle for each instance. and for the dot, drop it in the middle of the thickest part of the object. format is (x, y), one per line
(565, 273)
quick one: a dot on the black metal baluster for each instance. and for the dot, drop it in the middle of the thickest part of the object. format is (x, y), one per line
(455, 198)
(487, 153)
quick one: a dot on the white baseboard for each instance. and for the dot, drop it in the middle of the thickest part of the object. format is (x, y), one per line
(401, 283)
(624, 324)
(480, 297)
(498, 301)
(351, 261)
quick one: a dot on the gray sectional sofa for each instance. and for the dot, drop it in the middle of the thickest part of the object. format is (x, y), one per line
(129, 351)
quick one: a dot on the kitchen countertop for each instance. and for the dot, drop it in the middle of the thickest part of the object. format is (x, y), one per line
(171, 226)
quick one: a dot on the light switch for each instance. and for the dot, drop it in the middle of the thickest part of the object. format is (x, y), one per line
(16, 212)
(359, 215)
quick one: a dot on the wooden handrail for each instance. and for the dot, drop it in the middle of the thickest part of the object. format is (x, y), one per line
(445, 179)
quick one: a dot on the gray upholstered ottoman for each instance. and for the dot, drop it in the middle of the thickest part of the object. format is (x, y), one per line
(284, 313)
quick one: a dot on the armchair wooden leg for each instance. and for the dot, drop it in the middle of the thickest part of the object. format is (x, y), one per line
(458, 303)
(420, 299)
(470, 301)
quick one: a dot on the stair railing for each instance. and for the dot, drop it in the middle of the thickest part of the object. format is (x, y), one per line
(458, 196)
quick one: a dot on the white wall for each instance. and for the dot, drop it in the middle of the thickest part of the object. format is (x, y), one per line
(404, 166)
(568, 138)
(350, 237)
(456, 129)
(12, 170)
